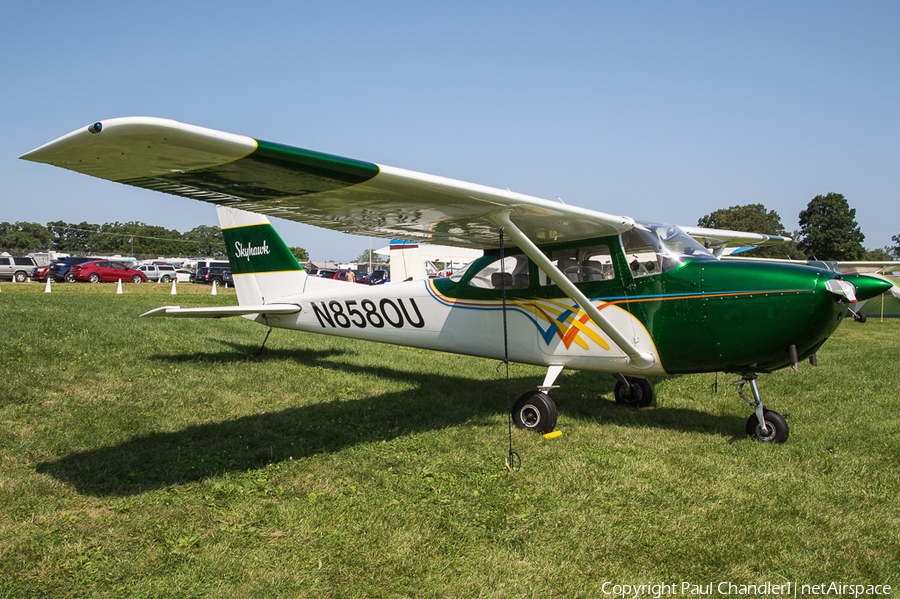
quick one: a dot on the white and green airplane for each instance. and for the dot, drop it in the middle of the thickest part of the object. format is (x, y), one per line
(558, 286)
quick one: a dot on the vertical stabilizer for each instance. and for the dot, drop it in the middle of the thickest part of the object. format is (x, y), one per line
(264, 268)
(406, 261)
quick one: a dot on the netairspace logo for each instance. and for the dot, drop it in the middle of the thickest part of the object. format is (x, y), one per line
(724, 589)
(250, 250)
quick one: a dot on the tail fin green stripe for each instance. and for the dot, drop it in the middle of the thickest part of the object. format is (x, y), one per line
(255, 249)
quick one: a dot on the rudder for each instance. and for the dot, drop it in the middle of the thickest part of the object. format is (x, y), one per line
(264, 268)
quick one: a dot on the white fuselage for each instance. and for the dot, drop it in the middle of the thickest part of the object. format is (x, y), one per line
(543, 332)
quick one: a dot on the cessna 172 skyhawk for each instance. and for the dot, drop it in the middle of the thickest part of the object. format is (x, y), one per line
(582, 289)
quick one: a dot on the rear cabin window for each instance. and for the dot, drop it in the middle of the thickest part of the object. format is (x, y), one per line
(513, 268)
(582, 265)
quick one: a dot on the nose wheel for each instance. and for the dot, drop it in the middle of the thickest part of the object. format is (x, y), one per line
(764, 425)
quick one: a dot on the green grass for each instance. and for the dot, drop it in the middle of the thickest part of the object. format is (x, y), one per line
(165, 458)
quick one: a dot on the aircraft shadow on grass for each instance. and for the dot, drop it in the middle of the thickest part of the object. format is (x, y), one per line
(208, 450)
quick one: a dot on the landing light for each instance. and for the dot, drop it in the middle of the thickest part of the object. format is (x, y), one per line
(95, 128)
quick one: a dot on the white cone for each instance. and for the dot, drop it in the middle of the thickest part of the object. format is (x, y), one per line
(215, 284)
(47, 288)
(173, 292)
(119, 288)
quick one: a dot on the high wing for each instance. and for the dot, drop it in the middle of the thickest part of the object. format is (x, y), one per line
(328, 191)
(718, 239)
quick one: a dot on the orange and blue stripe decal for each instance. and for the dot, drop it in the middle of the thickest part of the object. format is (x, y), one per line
(563, 318)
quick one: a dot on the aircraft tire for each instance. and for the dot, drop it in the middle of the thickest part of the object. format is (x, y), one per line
(775, 422)
(638, 393)
(534, 411)
(859, 316)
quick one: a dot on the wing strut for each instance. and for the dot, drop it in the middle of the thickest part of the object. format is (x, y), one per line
(637, 358)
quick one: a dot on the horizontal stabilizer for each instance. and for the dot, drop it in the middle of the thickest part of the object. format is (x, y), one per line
(222, 311)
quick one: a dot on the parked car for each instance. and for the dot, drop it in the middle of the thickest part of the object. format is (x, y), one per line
(379, 277)
(210, 274)
(325, 274)
(213, 264)
(39, 273)
(59, 270)
(228, 279)
(183, 276)
(16, 268)
(104, 270)
(162, 273)
(341, 275)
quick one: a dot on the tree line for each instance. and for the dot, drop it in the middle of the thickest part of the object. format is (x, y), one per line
(131, 239)
(828, 231)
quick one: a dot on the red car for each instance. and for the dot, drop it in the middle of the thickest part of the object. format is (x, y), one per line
(39, 273)
(104, 270)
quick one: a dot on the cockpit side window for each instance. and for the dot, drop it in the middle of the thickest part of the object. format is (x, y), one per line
(582, 265)
(642, 251)
(514, 268)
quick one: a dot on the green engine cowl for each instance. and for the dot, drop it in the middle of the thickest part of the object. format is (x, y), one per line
(743, 316)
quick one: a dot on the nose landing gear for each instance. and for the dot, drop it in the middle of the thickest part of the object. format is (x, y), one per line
(764, 425)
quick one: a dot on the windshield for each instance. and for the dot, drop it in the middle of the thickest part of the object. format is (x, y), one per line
(652, 248)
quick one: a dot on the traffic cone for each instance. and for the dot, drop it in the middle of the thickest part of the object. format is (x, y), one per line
(47, 288)
(173, 292)
(119, 288)
(215, 284)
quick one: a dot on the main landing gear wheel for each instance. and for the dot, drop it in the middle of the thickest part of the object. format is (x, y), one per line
(776, 428)
(534, 411)
(764, 425)
(634, 392)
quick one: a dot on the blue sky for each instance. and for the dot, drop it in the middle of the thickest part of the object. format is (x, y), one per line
(662, 111)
